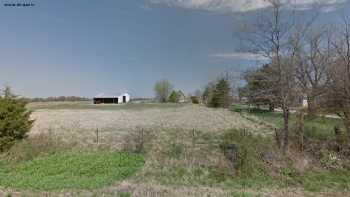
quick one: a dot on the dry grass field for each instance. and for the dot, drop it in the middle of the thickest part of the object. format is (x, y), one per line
(81, 124)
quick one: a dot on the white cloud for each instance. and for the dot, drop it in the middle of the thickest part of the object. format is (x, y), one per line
(246, 5)
(240, 56)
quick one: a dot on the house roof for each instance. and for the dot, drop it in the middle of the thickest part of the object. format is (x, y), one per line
(103, 95)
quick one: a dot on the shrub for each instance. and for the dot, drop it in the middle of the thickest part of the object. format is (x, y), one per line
(237, 109)
(245, 151)
(136, 141)
(15, 121)
(175, 150)
(195, 100)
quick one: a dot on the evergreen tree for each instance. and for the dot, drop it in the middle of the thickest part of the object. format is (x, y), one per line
(221, 94)
(15, 120)
(259, 89)
(208, 93)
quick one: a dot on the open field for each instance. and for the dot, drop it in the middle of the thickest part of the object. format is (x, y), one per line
(181, 146)
(81, 124)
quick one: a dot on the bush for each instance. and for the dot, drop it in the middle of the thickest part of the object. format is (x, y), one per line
(137, 141)
(15, 121)
(195, 100)
(245, 152)
(175, 150)
(237, 109)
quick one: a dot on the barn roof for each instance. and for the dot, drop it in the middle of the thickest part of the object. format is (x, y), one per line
(103, 95)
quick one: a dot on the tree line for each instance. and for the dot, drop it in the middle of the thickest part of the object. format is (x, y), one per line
(216, 94)
(303, 60)
(164, 92)
(58, 98)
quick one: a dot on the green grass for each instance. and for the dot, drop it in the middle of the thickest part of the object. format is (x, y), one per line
(124, 194)
(82, 105)
(243, 194)
(81, 170)
(337, 180)
(320, 181)
(315, 127)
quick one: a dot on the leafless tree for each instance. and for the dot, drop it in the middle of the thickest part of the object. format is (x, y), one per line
(311, 71)
(338, 91)
(277, 36)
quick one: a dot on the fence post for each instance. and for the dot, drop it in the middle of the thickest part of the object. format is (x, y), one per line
(97, 136)
(193, 138)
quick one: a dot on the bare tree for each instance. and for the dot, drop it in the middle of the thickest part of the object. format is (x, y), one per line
(7, 92)
(338, 91)
(311, 71)
(277, 36)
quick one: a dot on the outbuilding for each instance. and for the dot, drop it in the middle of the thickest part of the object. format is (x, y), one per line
(112, 99)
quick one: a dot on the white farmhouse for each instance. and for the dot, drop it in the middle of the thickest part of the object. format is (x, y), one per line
(112, 99)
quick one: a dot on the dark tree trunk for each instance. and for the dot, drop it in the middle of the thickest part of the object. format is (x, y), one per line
(311, 104)
(346, 121)
(285, 129)
(338, 137)
(278, 137)
(347, 127)
(301, 130)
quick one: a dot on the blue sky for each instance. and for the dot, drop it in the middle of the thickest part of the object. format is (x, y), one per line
(85, 47)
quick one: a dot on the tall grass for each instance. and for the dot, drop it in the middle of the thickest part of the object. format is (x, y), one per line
(40, 145)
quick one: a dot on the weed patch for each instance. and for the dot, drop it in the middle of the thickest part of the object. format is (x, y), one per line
(80, 170)
(320, 181)
(37, 146)
(245, 151)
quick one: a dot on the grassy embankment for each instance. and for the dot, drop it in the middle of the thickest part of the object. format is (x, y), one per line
(318, 134)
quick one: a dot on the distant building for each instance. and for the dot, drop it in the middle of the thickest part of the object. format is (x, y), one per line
(182, 97)
(112, 99)
(304, 102)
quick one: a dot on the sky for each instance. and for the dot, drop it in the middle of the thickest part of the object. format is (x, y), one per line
(87, 47)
